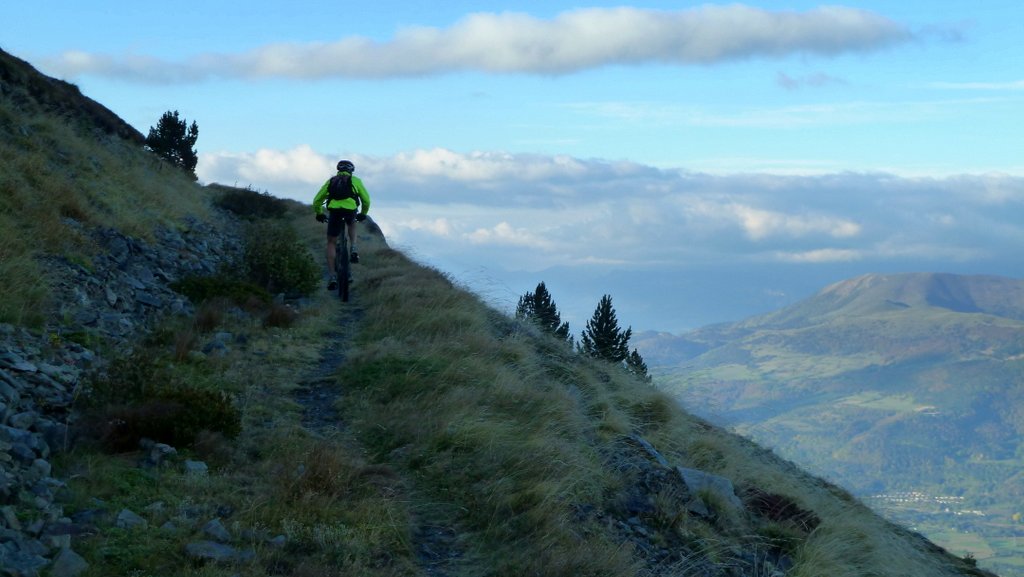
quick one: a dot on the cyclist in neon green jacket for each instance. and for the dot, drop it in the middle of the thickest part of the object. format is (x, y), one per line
(341, 204)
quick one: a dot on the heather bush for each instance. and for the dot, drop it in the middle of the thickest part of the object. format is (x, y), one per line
(134, 399)
(277, 260)
(200, 289)
(280, 316)
(250, 204)
(176, 416)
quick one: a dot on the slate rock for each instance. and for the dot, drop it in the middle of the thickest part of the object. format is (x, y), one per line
(211, 551)
(698, 481)
(68, 564)
(195, 468)
(126, 519)
(19, 563)
(148, 299)
(217, 530)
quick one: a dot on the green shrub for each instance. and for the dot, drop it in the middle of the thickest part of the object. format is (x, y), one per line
(202, 410)
(127, 379)
(970, 560)
(135, 399)
(277, 260)
(200, 289)
(172, 416)
(251, 204)
(280, 316)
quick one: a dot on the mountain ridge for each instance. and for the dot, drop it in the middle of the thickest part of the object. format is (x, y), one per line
(33, 92)
(990, 294)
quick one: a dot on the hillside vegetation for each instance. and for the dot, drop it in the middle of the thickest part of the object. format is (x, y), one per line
(890, 384)
(415, 431)
(461, 443)
(65, 156)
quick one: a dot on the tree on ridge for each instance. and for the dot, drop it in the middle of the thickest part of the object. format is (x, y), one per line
(635, 364)
(174, 141)
(539, 307)
(603, 339)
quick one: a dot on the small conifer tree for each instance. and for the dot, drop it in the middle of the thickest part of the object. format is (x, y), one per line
(603, 338)
(539, 307)
(174, 141)
(635, 365)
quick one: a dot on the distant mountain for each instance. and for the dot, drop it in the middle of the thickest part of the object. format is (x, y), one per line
(905, 304)
(885, 383)
(874, 294)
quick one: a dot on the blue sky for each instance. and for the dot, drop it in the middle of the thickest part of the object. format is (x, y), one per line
(699, 162)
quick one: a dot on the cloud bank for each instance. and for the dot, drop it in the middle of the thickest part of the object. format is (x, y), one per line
(530, 212)
(516, 43)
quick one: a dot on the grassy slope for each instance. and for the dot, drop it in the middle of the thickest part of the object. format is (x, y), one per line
(454, 418)
(61, 163)
(506, 432)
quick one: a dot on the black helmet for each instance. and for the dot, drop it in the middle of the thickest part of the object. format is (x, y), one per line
(346, 166)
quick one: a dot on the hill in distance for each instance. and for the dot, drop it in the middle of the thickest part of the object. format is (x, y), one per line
(887, 383)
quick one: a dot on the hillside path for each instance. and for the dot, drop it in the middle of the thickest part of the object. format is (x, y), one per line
(321, 388)
(320, 391)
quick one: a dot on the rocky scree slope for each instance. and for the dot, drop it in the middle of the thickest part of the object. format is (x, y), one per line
(122, 293)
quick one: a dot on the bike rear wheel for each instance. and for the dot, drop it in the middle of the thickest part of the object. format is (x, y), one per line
(342, 267)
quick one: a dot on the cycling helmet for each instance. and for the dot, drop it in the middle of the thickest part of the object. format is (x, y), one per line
(346, 166)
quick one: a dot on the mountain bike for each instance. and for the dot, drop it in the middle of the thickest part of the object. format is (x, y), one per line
(342, 266)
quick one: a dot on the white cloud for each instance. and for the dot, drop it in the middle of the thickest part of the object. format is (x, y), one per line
(819, 256)
(816, 80)
(519, 43)
(532, 211)
(438, 226)
(504, 234)
(298, 168)
(481, 166)
(760, 224)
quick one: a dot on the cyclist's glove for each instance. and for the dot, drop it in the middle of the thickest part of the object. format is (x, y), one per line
(360, 217)
(321, 217)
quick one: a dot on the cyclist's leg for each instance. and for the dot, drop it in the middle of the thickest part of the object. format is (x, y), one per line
(352, 240)
(331, 241)
(346, 219)
(335, 221)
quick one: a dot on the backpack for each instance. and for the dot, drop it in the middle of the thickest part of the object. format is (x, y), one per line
(340, 188)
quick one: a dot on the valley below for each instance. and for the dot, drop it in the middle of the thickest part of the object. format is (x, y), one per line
(907, 390)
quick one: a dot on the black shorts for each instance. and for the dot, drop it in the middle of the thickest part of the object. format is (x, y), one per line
(336, 217)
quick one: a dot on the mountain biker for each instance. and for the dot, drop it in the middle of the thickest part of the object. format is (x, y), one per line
(344, 210)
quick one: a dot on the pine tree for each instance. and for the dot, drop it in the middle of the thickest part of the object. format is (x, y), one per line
(602, 338)
(538, 306)
(173, 140)
(635, 365)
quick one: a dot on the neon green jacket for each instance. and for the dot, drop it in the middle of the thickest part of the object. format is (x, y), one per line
(350, 203)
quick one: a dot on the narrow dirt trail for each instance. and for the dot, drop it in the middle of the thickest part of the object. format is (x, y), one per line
(320, 391)
(321, 388)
